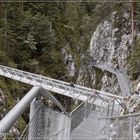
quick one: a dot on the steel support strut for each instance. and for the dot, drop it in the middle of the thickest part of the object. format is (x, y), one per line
(7, 122)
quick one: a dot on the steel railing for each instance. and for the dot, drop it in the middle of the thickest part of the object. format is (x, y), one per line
(64, 88)
(83, 110)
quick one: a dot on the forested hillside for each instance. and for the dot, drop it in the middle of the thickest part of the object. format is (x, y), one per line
(32, 36)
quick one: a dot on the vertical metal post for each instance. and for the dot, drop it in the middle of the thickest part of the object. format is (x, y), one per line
(32, 122)
(108, 124)
(107, 111)
(85, 108)
(131, 128)
(91, 106)
(112, 111)
(97, 134)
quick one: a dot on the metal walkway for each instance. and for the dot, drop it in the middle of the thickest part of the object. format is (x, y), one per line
(79, 120)
(57, 86)
(121, 76)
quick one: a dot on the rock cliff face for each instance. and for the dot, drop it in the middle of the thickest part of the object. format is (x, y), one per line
(111, 52)
(69, 62)
(107, 66)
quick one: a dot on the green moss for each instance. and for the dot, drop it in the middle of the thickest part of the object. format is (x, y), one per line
(120, 22)
(9, 98)
(10, 102)
(133, 59)
(22, 123)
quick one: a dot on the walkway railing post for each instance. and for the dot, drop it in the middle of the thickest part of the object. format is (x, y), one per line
(131, 127)
(108, 124)
(32, 122)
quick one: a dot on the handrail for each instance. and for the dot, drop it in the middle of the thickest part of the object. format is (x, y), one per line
(62, 130)
(77, 107)
(106, 107)
(123, 116)
(86, 101)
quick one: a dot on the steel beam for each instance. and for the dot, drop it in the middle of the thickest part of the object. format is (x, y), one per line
(7, 122)
(46, 93)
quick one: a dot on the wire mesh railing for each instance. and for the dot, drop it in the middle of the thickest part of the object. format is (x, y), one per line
(119, 128)
(116, 126)
(45, 124)
(25, 133)
(83, 110)
(113, 108)
(125, 127)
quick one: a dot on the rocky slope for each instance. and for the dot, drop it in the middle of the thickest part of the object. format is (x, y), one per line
(111, 52)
